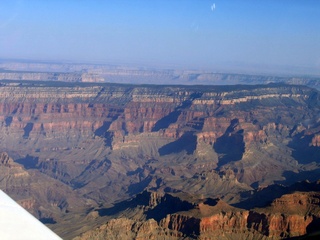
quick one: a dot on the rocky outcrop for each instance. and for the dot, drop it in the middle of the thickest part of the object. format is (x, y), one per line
(107, 142)
(12, 173)
(61, 124)
(127, 229)
(45, 198)
(291, 215)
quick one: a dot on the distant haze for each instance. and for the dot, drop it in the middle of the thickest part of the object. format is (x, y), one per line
(249, 35)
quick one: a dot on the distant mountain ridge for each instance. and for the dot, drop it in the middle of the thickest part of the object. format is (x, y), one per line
(121, 74)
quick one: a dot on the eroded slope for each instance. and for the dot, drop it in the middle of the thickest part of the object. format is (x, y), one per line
(107, 142)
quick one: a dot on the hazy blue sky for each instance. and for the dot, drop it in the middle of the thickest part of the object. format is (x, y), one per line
(191, 33)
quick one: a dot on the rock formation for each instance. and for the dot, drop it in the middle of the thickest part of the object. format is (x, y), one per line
(71, 72)
(294, 214)
(104, 143)
(44, 197)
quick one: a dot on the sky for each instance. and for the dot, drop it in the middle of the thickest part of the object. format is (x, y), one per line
(197, 34)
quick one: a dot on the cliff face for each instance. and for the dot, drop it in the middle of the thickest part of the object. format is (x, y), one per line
(295, 214)
(44, 197)
(51, 76)
(38, 76)
(106, 142)
(62, 125)
(127, 229)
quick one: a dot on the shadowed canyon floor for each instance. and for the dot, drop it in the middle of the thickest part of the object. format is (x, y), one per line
(188, 157)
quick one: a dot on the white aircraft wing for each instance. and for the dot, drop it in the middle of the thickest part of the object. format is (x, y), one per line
(16, 223)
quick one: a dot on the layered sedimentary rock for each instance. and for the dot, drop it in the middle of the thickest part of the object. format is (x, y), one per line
(51, 76)
(295, 214)
(139, 75)
(40, 76)
(107, 142)
(124, 228)
(44, 197)
(200, 123)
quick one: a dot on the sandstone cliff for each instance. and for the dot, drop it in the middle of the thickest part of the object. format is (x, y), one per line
(295, 214)
(136, 131)
(44, 197)
(107, 142)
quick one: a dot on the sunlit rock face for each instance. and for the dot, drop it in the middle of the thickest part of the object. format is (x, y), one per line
(173, 217)
(107, 142)
(221, 127)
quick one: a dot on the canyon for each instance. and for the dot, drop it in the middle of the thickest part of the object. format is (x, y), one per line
(291, 215)
(218, 159)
